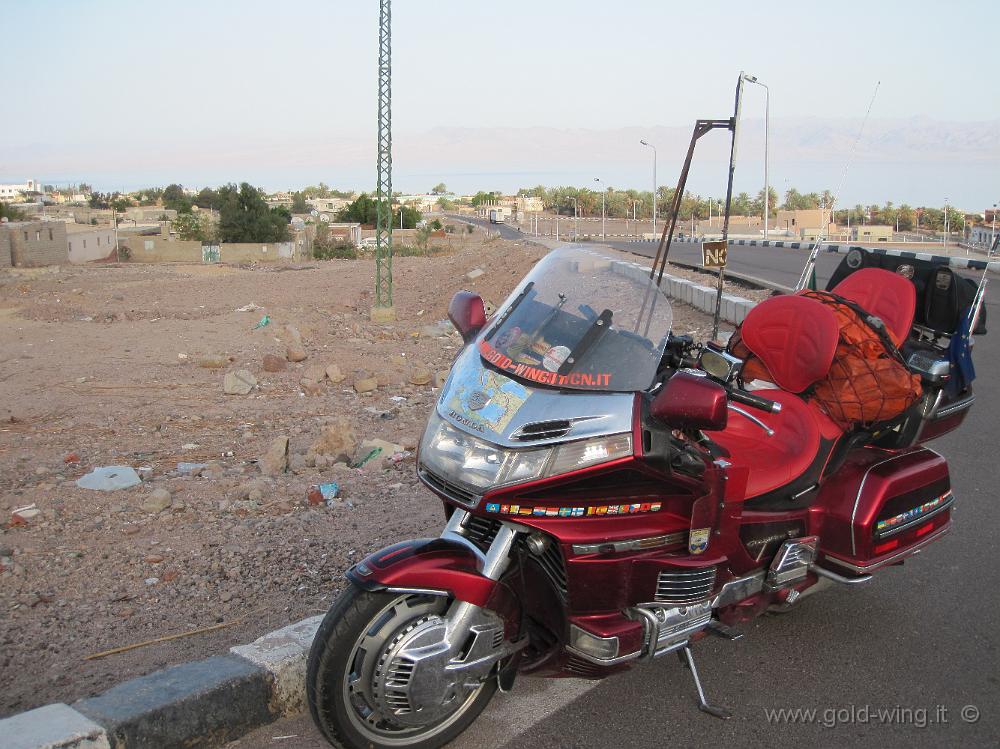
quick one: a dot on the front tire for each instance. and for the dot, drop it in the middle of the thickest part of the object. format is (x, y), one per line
(355, 632)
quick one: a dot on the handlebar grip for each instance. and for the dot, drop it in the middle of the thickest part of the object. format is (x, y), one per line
(749, 399)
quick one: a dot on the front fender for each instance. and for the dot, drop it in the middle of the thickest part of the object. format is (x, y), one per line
(437, 565)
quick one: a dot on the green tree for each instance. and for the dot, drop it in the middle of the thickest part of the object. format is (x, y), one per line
(906, 218)
(244, 216)
(98, 200)
(439, 189)
(191, 227)
(445, 205)
(207, 199)
(411, 217)
(363, 210)
(174, 197)
(423, 235)
(11, 213)
(299, 204)
(484, 197)
(120, 203)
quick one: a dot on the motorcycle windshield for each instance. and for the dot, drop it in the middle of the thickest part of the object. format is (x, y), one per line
(581, 320)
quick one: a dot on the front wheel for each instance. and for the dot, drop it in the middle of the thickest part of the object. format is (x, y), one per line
(359, 690)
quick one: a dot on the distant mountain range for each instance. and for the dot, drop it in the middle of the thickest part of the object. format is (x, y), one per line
(917, 160)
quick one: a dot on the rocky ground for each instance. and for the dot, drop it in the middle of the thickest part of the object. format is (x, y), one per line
(232, 393)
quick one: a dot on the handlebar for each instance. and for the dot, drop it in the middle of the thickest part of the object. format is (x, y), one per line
(755, 401)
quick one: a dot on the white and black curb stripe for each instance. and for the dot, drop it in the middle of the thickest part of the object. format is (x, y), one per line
(955, 262)
(734, 309)
(198, 704)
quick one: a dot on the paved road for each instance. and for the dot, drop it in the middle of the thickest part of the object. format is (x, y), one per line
(918, 637)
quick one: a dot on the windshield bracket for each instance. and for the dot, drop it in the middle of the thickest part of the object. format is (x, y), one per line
(597, 329)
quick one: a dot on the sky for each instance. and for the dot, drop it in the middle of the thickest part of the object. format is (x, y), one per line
(500, 95)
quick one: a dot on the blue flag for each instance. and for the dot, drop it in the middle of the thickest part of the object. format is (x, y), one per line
(960, 354)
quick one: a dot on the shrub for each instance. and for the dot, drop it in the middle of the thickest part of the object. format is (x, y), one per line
(344, 251)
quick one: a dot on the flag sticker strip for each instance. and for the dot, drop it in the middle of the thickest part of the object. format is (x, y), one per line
(574, 512)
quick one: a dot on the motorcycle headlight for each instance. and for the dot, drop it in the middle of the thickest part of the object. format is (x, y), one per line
(478, 466)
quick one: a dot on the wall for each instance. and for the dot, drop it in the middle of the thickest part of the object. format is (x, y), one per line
(95, 244)
(36, 243)
(160, 250)
(4, 249)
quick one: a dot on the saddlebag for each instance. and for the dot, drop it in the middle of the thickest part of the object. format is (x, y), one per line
(883, 506)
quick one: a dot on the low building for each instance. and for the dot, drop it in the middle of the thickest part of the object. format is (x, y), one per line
(146, 213)
(14, 192)
(981, 235)
(806, 223)
(529, 204)
(871, 233)
(27, 244)
(88, 243)
(329, 206)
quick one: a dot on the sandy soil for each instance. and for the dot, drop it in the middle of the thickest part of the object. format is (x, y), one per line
(105, 366)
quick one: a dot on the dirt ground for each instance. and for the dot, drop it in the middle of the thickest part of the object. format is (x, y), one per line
(124, 366)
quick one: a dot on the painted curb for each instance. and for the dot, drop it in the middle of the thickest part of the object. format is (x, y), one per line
(734, 309)
(202, 703)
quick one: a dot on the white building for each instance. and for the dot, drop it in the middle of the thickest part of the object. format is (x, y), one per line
(13, 192)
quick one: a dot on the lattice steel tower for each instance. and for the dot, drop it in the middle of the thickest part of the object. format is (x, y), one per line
(383, 225)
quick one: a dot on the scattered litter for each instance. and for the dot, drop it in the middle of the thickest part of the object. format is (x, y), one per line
(228, 454)
(397, 399)
(264, 322)
(188, 469)
(182, 356)
(165, 638)
(323, 494)
(249, 307)
(24, 514)
(400, 456)
(110, 478)
(151, 580)
(190, 446)
(71, 458)
(368, 458)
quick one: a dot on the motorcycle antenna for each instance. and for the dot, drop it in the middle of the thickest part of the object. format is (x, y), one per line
(810, 266)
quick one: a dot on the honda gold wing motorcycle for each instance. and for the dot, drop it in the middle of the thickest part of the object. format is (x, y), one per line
(613, 493)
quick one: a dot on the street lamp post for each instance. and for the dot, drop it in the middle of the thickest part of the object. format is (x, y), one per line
(944, 239)
(604, 193)
(576, 220)
(650, 145)
(993, 231)
(767, 129)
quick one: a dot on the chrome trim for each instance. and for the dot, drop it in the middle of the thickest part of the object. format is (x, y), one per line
(736, 590)
(920, 518)
(889, 560)
(598, 661)
(954, 407)
(669, 627)
(751, 417)
(453, 532)
(418, 591)
(822, 572)
(861, 488)
(792, 561)
(632, 544)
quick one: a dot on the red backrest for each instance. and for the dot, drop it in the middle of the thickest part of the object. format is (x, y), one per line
(794, 337)
(888, 296)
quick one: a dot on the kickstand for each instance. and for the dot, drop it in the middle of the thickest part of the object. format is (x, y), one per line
(719, 712)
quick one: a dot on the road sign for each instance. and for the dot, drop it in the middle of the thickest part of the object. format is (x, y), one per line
(713, 254)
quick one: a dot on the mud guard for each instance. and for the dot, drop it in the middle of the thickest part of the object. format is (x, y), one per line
(438, 566)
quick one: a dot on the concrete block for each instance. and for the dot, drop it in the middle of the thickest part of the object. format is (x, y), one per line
(283, 653)
(199, 704)
(52, 727)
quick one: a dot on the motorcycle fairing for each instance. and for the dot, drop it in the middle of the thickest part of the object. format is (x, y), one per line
(488, 403)
(440, 565)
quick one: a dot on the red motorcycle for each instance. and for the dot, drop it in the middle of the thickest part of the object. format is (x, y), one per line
(613, 492)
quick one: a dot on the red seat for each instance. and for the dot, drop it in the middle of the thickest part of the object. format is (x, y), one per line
(801, 432)
(794, 337)
(888, 296)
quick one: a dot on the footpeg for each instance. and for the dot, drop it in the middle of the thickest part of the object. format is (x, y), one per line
(718, 712)
(724, 631)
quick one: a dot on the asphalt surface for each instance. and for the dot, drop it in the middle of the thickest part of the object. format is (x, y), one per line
(908, 660)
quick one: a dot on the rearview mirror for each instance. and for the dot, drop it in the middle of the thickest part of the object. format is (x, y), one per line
(690, 401)
(467, 313)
